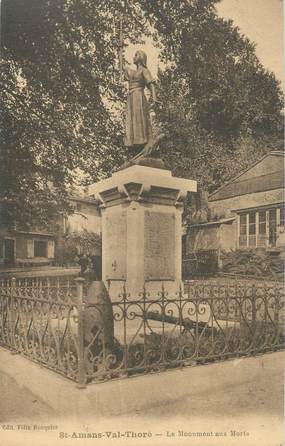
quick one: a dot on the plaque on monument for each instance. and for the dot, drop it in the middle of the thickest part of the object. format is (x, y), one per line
(116, 246)
(159, 246)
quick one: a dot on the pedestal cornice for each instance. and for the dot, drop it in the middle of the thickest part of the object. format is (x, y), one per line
(141, 183)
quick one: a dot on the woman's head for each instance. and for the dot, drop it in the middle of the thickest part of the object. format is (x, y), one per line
(140, 57)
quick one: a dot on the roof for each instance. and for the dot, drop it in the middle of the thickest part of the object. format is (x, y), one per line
(258, 184)
(245, 184)
(81, 199)
(214, 222)
(39, 233)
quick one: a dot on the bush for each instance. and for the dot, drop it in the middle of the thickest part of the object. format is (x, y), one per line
(84, 242)
(251, 263)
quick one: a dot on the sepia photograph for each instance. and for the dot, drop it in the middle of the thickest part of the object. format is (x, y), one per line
(142, 223)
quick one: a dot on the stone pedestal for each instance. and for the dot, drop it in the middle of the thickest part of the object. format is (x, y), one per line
(141, 228)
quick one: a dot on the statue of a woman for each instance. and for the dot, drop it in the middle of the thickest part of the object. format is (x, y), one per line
(138, 132)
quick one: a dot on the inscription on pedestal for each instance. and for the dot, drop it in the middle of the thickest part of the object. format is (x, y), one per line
(115, 249)
(159, 246)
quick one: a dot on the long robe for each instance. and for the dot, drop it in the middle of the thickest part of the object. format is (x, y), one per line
(138, 125)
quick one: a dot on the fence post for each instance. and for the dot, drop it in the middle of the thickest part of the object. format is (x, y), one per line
(253, 317)
(277, 307)
(12, 313)
(81, 379)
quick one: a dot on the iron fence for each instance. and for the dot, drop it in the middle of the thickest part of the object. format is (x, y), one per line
(39, 319)
(201, 263)
(90, 340)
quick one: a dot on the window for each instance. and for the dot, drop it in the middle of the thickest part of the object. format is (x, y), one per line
(40, 248)
(243, 230)
(243, 224)
(261, 228)
(272, 223)
(262, 222)
(261, 241)
(251, 229)
(282, 216)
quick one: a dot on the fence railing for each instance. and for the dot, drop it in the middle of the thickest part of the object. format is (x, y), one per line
(200, 264)
(54, 322)
(39, 319)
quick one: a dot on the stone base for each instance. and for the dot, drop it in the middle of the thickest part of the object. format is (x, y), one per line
(156, 163)
(142, 229)
(134, 289)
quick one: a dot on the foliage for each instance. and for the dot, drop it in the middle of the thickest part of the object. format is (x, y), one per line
(58, 79)
(84, 242)
(63, 102)
(250, 263)
(221, 109)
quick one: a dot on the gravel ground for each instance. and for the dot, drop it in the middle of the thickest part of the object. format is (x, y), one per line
(252, 407)
(17, 403)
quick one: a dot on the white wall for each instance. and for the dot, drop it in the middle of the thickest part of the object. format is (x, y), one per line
(86, 217)
(223, 208)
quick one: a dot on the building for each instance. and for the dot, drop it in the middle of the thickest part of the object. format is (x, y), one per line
(86, 216)
(245, 213)
(256, 199)
(38, 247)
(20, 248)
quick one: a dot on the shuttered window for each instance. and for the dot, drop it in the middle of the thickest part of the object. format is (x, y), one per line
(50, 249)
(40, 248)
(30, 249)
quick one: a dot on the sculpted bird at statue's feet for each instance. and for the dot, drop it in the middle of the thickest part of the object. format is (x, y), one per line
(150, 148)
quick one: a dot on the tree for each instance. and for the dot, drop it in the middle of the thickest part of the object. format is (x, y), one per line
(63, 101)
(221, 109)
(57, 114)
(192, 151)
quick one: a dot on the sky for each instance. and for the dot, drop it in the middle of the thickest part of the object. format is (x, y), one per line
(260, 20)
